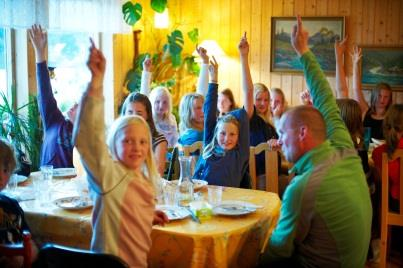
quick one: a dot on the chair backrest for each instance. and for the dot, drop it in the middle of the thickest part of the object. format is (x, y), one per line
(19, 249)
(271, 166)
(189, 149)
(172, 170)
(59, 256)
(389, 217)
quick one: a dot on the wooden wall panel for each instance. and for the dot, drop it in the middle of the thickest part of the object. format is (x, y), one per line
(370, 22)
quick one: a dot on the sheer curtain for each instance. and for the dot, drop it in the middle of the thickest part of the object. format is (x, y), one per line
(67, 15)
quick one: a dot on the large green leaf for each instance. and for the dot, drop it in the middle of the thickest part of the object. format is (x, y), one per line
(194, 35)
(158, 5)
(175, 42)
(131, 13)
(176, 60)
(191, 65)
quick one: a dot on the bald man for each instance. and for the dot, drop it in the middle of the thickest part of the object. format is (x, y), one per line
(325, 218)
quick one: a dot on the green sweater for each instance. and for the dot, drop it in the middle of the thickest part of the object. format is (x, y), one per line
(325, 218)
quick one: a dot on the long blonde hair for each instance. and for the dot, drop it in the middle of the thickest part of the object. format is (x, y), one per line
(186, 111)
(154, 95)
(149, 168)
(213, 148)
(260, 88)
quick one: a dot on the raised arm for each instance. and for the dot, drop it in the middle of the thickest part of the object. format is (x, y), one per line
(146, 76)
(89, 131)
(202, 81)
(341, 84)
(48, 109)
(320, 90)
(210, 104)
(357, 89)
(247, 85)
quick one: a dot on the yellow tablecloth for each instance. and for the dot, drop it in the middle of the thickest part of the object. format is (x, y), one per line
(217, 242)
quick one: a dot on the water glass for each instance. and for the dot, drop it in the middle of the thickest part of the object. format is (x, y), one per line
(170, 195)
(214, 195)
(12, 183)
(47, 172)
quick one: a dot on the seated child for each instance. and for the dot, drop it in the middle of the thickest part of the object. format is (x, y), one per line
(122, 176)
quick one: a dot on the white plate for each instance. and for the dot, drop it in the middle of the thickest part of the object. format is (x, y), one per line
(197, 183)
(18, 178)
(64, 172)
(378, 142)
(174, 212)
(235, 208)
(74, 202)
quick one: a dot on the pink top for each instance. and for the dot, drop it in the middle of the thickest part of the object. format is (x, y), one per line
(123, 199)
(394, 168)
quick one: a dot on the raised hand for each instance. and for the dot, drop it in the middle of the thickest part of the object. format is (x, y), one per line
(356, 55)
(203, 54)
(305, 97)
(96, 64)
(39, 40)
(340, 46)
(213, 70)
(147, 64)
(243, 46)
(299, 38)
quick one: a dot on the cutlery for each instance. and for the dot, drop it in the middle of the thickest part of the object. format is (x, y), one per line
(192, 215)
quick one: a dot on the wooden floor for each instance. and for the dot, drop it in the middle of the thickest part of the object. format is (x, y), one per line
(395, 260)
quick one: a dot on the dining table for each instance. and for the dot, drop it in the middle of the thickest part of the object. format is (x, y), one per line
(216, 241)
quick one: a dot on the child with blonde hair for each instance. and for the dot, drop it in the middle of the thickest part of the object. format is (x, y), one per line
(226, 146)
(191, 118)
(122, 176)
(161, 101)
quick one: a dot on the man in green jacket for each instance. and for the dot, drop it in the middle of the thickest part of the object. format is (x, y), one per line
(325, 218)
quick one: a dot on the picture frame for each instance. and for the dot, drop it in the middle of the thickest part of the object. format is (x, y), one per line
(382, 64)
(323, 31)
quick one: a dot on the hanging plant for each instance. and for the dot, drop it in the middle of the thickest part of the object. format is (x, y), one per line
(158, 5)
(132, 13)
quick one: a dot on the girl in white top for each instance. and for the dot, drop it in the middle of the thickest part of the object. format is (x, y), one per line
(161, 101)
(122, 176)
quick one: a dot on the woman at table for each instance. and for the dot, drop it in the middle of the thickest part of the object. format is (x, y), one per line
(122, 179)
(57, 147)
(138, 104)
(381, 98)
(12, 220)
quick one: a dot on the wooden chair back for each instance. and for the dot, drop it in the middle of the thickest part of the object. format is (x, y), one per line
(389, 217)
(189, 149)
(20, 249)
(271, 166)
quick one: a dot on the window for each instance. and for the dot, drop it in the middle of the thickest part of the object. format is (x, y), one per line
(68, 54)
(3, 61)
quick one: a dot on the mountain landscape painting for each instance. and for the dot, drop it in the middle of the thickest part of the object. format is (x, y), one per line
(382, 64)
(322, 31)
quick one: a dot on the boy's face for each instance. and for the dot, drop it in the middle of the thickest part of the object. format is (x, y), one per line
(4, 177)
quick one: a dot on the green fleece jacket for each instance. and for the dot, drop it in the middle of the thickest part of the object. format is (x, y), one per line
(325, 218)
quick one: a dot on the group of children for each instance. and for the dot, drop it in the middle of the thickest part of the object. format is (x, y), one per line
(123, 169)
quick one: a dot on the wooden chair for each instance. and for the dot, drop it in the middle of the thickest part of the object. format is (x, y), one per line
(189, 149)
(271, 166)
(20, 249)
(65, 257)
(389, 217)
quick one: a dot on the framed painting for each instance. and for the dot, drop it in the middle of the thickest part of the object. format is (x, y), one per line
(323, 31)
(382, 64)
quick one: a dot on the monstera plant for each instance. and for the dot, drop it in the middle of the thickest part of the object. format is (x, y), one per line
(169, 61)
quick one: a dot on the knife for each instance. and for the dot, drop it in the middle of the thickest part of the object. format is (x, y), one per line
(192, 215)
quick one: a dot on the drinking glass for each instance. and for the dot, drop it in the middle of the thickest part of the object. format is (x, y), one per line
(214, 195)
(12, 183)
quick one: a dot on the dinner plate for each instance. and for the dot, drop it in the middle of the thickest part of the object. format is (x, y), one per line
(74, 202)
(198, 184)
(234, 208)
(64, 172)
(18, 178)
(174, 212)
